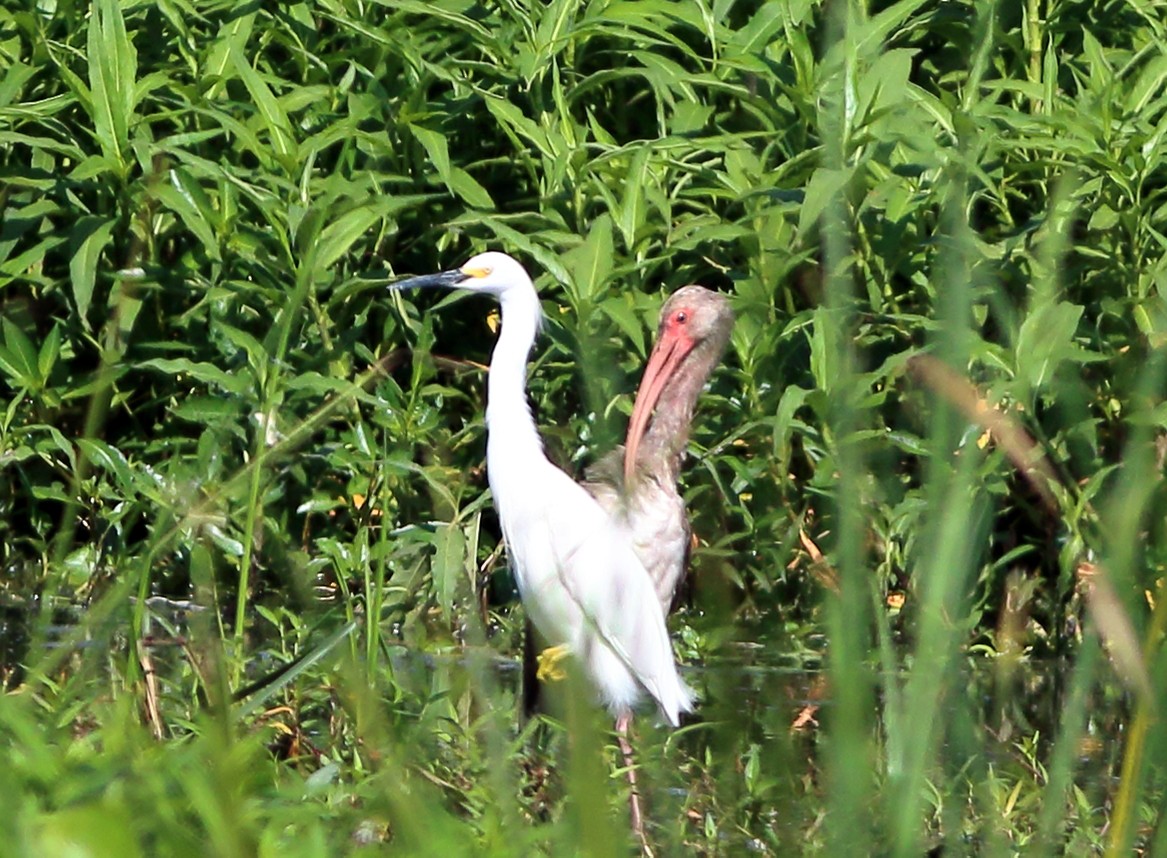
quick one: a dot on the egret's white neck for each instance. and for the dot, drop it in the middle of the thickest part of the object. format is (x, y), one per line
(509, 423)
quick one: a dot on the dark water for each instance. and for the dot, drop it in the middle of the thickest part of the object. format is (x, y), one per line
(754, 754)
(776, 683)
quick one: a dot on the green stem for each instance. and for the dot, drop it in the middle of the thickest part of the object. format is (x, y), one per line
(254, 515)
(1146, 717)
(1033, 39)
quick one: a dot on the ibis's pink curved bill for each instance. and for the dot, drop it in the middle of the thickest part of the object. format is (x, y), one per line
(672, 347)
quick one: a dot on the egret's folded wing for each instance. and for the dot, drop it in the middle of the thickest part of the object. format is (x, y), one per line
(601, 573)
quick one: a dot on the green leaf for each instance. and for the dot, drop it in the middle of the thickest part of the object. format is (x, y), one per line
(631, 214)
(257, 354)
(824, 349)
(210, 411)
(822, 189)
(274, 117)
(456, 179)
(468, 188)
(113, 71)
(336, 238)
(87, 240)
(621, 310)
(15, 77)
(52, 442)
(18, 358)
(590, 264)
(436, 147)
(518, 125)
(49, 352)
(448, 565)
(206, 373)
(182, 195)
(228, 544)
(109, 458)
(95, 828)
(1046, 340)
(32, 260)
(885, 83)
(793, 398)
(230, 41)
(1150, 85)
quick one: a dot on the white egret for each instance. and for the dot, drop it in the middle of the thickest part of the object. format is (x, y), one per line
(579, 577)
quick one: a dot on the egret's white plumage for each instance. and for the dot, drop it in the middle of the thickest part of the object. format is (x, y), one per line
(579, 578)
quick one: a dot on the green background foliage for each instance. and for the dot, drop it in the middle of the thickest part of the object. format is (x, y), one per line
(225, 443)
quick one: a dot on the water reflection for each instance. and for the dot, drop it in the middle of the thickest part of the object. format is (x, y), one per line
(748, 774)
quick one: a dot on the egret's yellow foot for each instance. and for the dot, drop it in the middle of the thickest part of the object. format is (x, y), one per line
(548, 661)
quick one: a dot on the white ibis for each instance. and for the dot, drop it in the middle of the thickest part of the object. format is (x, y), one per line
(638, 486)
(578, 575)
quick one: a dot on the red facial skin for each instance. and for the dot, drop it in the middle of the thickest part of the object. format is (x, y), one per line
(672, 346)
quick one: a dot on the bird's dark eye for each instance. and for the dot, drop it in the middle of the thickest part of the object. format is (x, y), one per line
(681, 317)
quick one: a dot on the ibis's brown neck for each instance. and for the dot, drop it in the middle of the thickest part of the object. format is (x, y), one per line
(663, 446)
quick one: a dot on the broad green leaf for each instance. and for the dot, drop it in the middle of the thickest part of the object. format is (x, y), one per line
(18, 358)
(448, 565)
(111, 459)
(621, 311)
(50, 351)
(14, 79)
(1150, 84)
(468, 188)
(228, 544)
(113, 72)
(324, 385)
(256, 353)
(87, 241)
(42, 144)
(336, 238)
(96, 829)
(447, 12)
(182, 195)
(591, 263)
(231, 41)
(793, 398)
(93, 167)
(515, 123)
(824, 187)
(211, 411)
(824, 350)
(885, 83)
(274, 118)
(1046, 340)
(437, 149)
(200, 371)
(30, 262)
(51, 441)
(631, 214)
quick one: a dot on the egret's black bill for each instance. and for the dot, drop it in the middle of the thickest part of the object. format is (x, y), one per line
(444, 280)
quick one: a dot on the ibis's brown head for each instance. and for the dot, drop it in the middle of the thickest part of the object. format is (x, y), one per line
(695, 325)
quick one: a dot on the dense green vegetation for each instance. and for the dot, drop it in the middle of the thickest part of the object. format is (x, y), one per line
(252, 597)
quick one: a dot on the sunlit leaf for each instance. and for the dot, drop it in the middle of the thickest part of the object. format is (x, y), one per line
(89, 239)
(113, 72)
